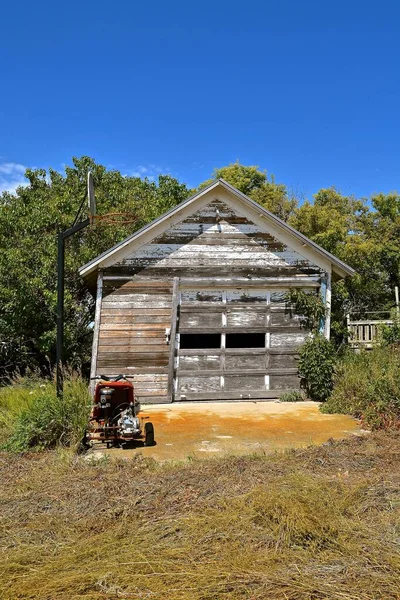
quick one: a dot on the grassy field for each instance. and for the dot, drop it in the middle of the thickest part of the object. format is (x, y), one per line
(321, 523)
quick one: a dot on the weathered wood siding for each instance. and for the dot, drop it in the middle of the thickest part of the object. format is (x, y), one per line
(234, 373)
(133, 319)
(214, 249)
(215, 237)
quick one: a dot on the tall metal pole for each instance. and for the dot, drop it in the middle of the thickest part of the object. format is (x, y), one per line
(62, 236)
(60, 313)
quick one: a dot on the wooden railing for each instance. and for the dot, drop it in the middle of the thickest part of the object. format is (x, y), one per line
(363, 333)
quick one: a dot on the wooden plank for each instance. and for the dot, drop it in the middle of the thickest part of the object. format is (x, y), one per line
(206, 307)
(217, 260)
(132, 312)
(136, 334)
(135, 319)
(185, 372)
(153, 400)
(287, 330)
(244, 362)
(285, 319)
(279, 350)
(298, 280)
(284, 382)
(197, 296)
(138, 299)
(201, 271)
(96, 330)
(128, 289)
(247, 319)
(285, 339)
(134, 349)
(134, 371)
(108, 343)
(151, 393)
(132, 281)
(283, 361)
(194, 383)
(244, 383)
(126, 360)
(152, 377)
(204, 363)
(172, 345)
(134, 326)
(218, 351)
(132, 304)
(200, 320)
(235, 395)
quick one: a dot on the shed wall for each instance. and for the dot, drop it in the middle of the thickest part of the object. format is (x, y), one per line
(216, 248)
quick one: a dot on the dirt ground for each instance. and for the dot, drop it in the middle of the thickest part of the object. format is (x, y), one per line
(235, 428)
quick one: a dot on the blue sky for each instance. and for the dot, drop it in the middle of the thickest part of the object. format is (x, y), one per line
(308, 90)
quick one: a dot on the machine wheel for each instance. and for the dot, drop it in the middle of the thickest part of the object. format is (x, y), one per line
(149, 434)
(84, 443)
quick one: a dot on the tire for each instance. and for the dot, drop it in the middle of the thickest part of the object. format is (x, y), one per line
(84, 444)
(149, 434)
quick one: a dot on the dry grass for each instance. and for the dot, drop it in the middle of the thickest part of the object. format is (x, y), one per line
(315, 524)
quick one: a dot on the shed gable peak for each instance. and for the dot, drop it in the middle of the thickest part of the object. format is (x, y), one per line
(215, 239)
(229, 198)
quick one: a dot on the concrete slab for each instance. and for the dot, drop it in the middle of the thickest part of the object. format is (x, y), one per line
(221, 428)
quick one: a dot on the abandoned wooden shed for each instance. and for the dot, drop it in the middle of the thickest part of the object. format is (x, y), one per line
(193, 305)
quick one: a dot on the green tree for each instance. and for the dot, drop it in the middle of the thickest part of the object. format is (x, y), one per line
(255, 184)
(29, 222)
(366, 238)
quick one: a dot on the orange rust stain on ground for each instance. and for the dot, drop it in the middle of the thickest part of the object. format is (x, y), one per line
(237, 428)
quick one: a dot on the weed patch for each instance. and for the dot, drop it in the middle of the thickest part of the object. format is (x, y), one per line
(31, 415)
(367, 385)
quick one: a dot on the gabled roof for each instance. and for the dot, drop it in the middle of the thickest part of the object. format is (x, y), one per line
(163, 222)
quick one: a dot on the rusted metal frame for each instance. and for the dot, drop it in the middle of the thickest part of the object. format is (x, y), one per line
(173, 331)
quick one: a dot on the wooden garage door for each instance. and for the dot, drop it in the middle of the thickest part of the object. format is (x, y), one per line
(234, 344)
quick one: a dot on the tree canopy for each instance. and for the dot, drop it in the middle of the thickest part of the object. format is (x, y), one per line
(364, 233)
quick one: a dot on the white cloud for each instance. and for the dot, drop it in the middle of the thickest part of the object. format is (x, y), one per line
(11, 176)
(150, 171)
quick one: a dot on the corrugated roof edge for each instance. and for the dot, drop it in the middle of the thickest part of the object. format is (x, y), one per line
(90, 266)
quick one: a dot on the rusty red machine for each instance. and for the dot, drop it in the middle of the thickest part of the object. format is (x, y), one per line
(114, 417)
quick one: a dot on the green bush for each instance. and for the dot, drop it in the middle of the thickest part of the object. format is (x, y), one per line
(367, 386)
(308, 305)
(294, 396)
(391, 334)
(317, 366)
(31, 415)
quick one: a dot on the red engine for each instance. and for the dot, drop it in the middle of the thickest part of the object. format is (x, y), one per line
(114, 419)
